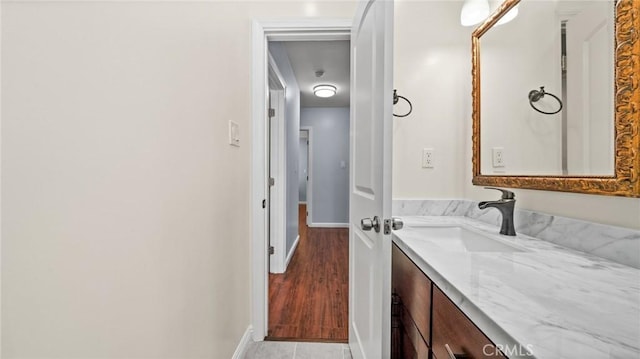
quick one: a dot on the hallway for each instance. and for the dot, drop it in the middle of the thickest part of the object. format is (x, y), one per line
(310, 301)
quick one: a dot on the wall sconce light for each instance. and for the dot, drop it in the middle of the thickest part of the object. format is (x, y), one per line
(324, 90)
(509, 16)
(474, 12)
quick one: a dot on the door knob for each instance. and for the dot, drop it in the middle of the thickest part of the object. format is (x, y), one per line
(396, 223)
(367, 223)
(393, 223)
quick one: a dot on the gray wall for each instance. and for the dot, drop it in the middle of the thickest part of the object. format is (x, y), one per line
(292, 135)
(330, 147)
(302, 178)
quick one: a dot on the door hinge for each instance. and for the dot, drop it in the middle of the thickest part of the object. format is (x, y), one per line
(563, 62)
(271, 250)
(272, 181)
(272, 112)
(264, 203)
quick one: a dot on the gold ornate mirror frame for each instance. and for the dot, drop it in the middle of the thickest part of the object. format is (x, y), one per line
(625, 181)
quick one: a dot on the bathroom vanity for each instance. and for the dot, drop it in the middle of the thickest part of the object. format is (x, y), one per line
(424, 318)
(560, 288)
(461, 290)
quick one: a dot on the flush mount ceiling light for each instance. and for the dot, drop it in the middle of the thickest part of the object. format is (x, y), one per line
(474, 12)
(324, 90)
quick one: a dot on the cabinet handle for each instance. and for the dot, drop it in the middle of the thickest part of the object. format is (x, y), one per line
(454, 356)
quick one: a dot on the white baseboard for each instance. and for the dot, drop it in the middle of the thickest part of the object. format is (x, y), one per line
(302, 202)
(329, 225)
(242, 347)
(291, 252)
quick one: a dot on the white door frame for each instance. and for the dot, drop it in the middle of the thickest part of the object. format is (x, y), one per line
(309, 130)
(277, 207)
(303, 29)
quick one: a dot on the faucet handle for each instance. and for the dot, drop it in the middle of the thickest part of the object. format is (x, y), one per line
(505, 193)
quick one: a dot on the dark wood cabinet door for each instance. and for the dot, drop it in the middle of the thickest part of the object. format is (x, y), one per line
(406, 340)
(452, 327)
(414, 289)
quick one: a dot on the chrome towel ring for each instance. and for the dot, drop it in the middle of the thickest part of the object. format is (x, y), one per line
(536, 95)
(396, 98)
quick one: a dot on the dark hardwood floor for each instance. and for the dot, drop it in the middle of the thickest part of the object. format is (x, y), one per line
(310, 301)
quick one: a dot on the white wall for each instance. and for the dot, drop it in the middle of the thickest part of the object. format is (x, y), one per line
(329, 150)
(432, 69)
(125, 212)
(441, 94)
(292, 135)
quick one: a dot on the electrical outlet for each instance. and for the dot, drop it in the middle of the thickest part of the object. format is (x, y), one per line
(427, 158)
(498, 156)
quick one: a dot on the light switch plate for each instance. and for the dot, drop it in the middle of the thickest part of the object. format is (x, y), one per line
(234, 134)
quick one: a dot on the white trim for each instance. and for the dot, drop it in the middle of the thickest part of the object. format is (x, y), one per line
(259, 289)
(0, 180)
(277, 209)
(291, 252)
(329, 225)
(304, 135)
(306, 29)
(280, 82)
(262, 31)
(242, 347)
(309, 201)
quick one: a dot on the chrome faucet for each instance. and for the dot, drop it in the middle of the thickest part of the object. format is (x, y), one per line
(505, 205)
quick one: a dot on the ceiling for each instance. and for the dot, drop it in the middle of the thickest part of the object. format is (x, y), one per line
(307, 57)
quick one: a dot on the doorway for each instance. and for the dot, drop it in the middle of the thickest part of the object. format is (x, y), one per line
(370, 174)
(303, 170)
(306, 29)
(309, 290)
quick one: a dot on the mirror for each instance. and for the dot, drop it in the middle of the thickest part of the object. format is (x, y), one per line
(558, 105)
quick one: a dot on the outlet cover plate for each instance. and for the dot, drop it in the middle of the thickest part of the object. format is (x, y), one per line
(497, 154)
(428, 158)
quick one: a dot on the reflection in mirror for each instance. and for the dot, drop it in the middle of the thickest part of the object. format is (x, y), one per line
(577, 154)
(567, 128)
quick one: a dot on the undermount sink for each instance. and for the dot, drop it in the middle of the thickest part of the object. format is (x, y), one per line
(461, 239)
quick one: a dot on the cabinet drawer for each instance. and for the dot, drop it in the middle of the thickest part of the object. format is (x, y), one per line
(452, 327)
(414, 289)
(406, 340)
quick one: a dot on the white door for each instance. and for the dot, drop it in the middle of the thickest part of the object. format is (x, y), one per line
(590, 84)
(370, 180)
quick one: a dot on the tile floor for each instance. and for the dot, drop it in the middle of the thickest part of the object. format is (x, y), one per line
(297, 350)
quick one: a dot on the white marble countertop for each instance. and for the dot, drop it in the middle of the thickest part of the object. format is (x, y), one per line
(557, 302)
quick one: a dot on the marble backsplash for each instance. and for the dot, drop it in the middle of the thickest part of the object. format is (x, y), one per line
(621, 245)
